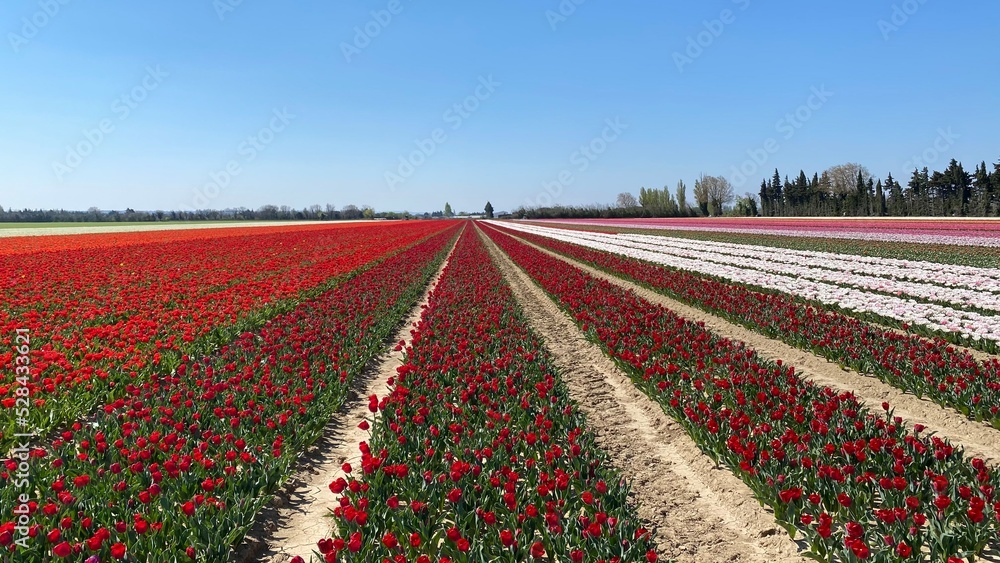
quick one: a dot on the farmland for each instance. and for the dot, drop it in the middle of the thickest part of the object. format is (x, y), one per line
(429, 391)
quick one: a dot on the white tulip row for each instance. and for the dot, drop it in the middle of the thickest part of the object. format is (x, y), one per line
(948, 275)
(833, 268)
(930, 315)
(880, 236)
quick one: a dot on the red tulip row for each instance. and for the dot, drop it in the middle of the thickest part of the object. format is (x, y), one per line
(178, 466)
(479, 454)
(854, 482)
(100, 318)
(925, 367)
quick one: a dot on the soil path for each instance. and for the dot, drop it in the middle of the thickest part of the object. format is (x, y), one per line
(699, 513)
(300, 516)
(979, 439)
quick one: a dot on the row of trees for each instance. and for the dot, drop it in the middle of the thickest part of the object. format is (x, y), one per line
(842, 190)
(850, 189)
(264, 213)
(712, 196)
(487, 211)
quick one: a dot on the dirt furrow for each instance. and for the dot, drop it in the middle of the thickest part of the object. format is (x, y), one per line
(979, 440)
(699, 512)
(301, 516)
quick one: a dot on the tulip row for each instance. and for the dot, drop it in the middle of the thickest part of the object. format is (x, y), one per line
(965, 233)
(479, 454)
(925, 367)
(929, 280)
(975, 256)
(854, 482)
(906, 268)
(177, 467)
(954, 295)
(103, 317)
(977, 329)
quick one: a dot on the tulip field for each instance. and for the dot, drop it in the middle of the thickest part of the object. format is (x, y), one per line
(159, 390)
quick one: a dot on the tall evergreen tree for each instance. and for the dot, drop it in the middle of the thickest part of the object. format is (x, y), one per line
(895, 204)
(860, 195)
(801, 192)
(777, 194)
(982, 199)
(815, 196)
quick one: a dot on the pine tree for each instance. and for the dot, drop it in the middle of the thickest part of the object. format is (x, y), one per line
(880, 199)
(777, 195)
(895, 204)
(815, 197)
(489, 210)
(983, 192)
(447, 209)
(801, 192)
(860, 201)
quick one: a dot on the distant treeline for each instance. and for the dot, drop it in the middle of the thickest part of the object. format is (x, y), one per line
(265, 213)
(851, 190)
(842, 190)
(592, 211)
(712, 195)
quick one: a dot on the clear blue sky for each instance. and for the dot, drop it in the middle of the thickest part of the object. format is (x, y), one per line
(208, 79)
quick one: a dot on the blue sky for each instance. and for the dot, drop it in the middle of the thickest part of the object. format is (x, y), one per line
(225, 103)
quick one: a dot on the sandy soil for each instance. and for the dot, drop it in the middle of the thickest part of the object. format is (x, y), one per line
(112, 228)
(700, 513)
(979, 439)
(300, 516)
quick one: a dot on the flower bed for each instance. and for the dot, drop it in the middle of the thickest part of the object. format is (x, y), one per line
(854, 482)
(478, 453)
